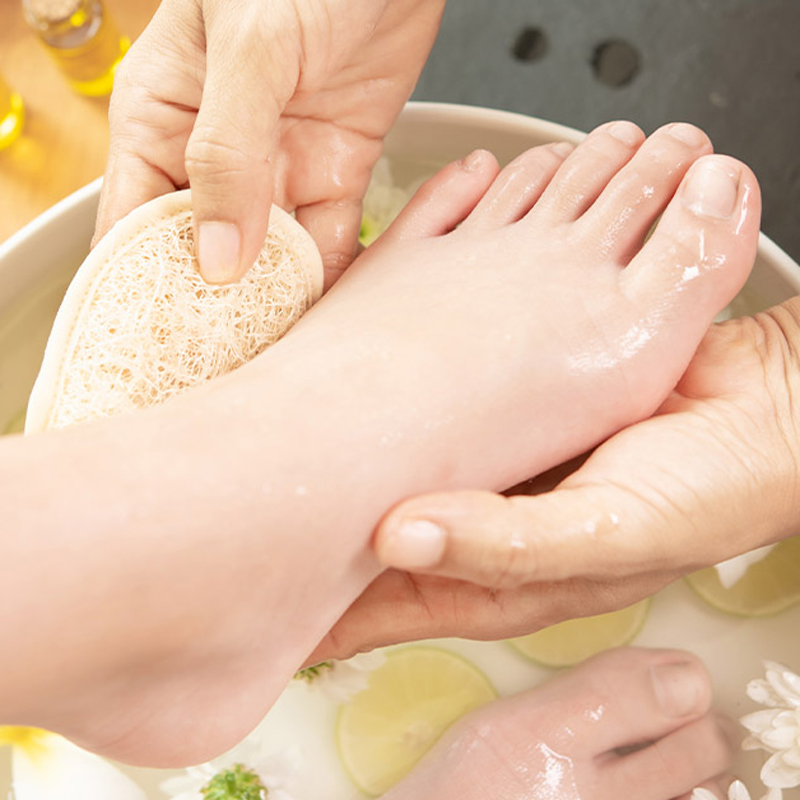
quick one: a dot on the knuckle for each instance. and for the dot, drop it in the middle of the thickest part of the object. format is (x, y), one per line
(209, 156)
(513, 553)
(337, 261)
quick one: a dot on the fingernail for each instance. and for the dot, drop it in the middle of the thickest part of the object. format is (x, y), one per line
(712, 189)
(472, 161)
(218, 250)
(625, 132)
(679, 688)
(688, 134)
(416, 544)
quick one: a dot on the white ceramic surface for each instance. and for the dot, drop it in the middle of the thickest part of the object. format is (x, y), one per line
(36, 264)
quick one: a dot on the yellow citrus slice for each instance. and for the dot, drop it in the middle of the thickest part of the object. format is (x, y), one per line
(575, 640)
(410, 701)
(768, 587)
(16, 424)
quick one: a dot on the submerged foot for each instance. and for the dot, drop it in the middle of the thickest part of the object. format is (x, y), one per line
(629, 723)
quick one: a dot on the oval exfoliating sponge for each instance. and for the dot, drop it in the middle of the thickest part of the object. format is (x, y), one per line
(138, 324)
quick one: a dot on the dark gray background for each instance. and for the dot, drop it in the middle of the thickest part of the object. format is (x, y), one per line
(730, 66)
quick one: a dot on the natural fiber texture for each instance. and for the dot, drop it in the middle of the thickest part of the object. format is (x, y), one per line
(149, 327)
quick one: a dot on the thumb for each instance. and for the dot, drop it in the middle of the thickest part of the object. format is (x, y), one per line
(673, 493)
(506, 542)
(249, 80)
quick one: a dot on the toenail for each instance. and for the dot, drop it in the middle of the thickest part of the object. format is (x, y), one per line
(679, 688)
(417, 544)
(472, 161)
(562, 149)
(625, 132)
(688, 134)
(712, 188)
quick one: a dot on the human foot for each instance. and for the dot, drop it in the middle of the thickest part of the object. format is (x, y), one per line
(544, 322)
(425, 369)
(627, 723)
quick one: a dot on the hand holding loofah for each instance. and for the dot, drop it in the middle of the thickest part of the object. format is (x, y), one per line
(254, 102)
(138, 324)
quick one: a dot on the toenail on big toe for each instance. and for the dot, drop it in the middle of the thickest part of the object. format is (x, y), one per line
(711, 189)
(679, 688)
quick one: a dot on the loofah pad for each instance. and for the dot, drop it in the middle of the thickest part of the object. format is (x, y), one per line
(138, 324)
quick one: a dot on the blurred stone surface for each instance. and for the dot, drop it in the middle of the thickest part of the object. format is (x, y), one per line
(730, 66)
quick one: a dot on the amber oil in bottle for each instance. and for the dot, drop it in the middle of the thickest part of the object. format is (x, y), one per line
(83, 39)
(12, 114)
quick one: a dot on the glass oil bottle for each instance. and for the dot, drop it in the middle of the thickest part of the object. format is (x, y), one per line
(82, 38)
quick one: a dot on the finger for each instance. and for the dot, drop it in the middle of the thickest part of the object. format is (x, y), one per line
(253, 61)
(152, 109)
(505, 542)
(674, 764)
(673, 493)
(404, 607)
(334, 225)
(129, 181)
(646, 694)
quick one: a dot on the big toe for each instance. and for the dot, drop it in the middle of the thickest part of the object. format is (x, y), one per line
(638, 695)
(700, 254)
(574, 727)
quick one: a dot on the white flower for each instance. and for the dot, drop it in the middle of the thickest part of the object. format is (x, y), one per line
(776, 729)
(275, 771)
(736, 791)
(340, 681)
(46, 766)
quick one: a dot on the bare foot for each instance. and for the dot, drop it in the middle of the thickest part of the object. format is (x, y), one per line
(507, 320)
(628, 723)
(544, 322)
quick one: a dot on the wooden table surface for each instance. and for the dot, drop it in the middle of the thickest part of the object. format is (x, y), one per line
(65, 141)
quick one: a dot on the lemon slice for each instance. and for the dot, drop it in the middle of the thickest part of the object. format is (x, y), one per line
(768, 587)
(576, 640)
(16, 424)
(410, 701)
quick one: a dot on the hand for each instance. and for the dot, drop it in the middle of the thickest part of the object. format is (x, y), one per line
(713, 474)
(252, 103)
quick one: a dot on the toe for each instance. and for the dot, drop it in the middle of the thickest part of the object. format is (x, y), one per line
(584, 175)
(518, 186)
(643, 695)
(671, 766)
(631, 202)
(701, 251)
(445, 200)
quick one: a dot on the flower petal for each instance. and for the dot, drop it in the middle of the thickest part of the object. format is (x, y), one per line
(761, 691)
(779, 737)
(188, 785)
(785, 683)
(737, 791)
(792, 756)
(760, 721)
(777, 774)
(704, 794)
(63, 770)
